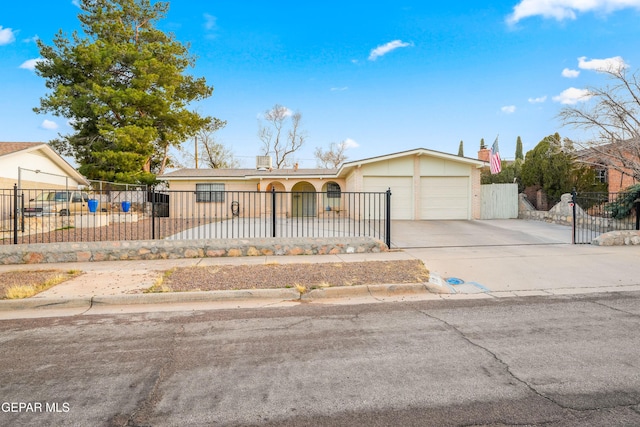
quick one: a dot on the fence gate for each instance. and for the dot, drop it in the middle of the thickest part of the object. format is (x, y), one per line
(598, 213)
(499, 201)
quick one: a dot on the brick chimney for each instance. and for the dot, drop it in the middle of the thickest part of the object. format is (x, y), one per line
(483, 154)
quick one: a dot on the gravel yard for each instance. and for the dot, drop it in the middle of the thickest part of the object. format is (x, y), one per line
(36, 280)
(309, 275)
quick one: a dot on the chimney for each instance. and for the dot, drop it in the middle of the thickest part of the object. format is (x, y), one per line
(483, 154)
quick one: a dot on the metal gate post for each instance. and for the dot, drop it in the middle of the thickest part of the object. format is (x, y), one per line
(273, 212)
(573, 214)
(153, 213)
(388, 219)
(637, 202)
(16, 211)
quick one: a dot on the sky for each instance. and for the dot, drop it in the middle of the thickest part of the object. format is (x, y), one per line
(384, 76)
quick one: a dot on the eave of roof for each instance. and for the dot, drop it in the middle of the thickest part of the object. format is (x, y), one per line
(14, 148)
(416, 151)
(244, 174)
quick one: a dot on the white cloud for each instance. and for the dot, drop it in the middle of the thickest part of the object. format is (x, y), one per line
(570, 74)
(275, 111)
(508, 109)
(566, 9)
(350, 143)
(6, 36)
(76, 3)
(386, 48)
(30, 64)
(49, 125)
(210, 22)
(602, 65)
(538, 100)
(31, 39)
(339, 89)
(572, 96)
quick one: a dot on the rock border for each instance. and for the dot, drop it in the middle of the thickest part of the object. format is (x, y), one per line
(618, 238)
(40, 253)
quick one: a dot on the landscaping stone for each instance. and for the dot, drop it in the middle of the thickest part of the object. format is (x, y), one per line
(36, 253)
(618, 238)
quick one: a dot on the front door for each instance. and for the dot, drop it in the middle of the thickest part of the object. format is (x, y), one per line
(303, 200)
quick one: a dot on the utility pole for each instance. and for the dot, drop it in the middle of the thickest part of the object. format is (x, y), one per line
(196, 147)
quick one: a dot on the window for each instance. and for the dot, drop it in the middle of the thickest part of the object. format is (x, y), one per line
(601, 175)
(209, 192)
(333, 190)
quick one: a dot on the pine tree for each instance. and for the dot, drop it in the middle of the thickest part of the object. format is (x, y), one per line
(123, 86)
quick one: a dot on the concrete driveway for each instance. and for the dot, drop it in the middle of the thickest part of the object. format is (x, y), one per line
(516, 257)
(434, 234)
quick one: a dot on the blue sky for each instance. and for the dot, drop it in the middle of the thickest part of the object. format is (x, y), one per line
(385, 75)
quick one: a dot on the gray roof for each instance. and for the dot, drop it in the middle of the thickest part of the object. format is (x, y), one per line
(247, 173)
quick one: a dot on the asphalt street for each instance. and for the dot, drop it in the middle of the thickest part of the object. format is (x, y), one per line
(547, 360)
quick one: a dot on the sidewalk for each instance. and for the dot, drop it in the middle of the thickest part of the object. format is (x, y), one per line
(117, 283)
(470, 272)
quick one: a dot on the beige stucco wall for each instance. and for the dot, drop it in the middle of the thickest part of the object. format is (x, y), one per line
(250, 202)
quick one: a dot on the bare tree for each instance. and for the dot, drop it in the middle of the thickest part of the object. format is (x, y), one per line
(278, 138)
(333, 157)
(208, 150)
(612, 114)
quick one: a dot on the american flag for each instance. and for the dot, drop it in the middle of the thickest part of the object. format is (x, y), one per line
(494, 158)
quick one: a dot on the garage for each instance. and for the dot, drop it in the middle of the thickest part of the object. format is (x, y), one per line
(401, 193)
(425, 184)
(444, 197)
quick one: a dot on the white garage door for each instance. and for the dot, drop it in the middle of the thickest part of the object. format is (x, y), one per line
(444, 197)
(401, 193)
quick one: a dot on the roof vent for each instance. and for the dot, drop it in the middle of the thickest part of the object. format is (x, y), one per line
(263, 163)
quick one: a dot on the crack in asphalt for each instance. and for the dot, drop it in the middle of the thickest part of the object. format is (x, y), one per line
(145, 407)
(602, 304)
(635, 406)
(494, 356)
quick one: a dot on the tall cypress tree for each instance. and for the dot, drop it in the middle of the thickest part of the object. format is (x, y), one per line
(519, 155)
(461, 149)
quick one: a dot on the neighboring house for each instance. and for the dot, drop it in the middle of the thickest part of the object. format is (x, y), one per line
(425, 184)
(36, 166)
(611, 163)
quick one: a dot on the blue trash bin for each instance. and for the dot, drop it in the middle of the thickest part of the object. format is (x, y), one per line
(93, 205)
(126, 205)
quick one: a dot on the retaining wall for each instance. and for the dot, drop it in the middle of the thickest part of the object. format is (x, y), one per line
(171, 249)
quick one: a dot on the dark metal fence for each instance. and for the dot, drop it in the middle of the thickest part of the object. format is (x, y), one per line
(55, 215)
(597, 213)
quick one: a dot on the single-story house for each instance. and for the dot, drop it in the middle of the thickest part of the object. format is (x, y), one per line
(34, 165)
(425, 184)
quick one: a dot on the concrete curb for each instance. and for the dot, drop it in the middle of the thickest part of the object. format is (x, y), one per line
(44, 303)
(197, 296)
(287, 294)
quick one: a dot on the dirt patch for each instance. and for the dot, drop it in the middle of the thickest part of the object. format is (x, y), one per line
(273, 276)
(36, 280)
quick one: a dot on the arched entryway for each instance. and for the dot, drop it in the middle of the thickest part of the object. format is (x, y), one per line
(303, 200)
